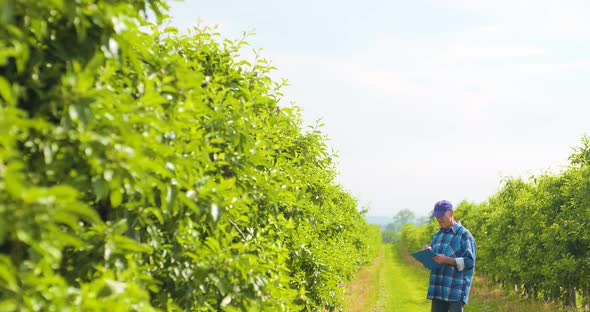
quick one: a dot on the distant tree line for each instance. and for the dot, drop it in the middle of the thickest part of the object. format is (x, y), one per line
(392, 231)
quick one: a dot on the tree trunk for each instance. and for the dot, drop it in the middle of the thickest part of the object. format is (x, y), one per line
(571, 298)
(585, 298)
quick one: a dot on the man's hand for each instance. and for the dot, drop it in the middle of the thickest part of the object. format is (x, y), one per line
(444, 259)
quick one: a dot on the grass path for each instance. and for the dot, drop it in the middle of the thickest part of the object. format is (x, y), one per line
(388, 284)
(404, 285)
(396, 282)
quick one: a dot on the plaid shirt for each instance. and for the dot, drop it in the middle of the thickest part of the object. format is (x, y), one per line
(448, 283)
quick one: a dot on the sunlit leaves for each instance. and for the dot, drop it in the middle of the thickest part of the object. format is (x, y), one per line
(143, 170)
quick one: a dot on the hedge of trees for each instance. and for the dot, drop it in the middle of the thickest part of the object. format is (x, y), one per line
(533, 236)
(142, 169)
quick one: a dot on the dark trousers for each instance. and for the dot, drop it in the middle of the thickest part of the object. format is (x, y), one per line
(446, 306)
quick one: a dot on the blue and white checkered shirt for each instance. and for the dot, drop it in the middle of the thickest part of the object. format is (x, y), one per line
(451, 283)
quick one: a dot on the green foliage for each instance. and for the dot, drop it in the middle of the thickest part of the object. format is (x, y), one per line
(390, 236)
(157, 171)
(415, 237)
(374, 240)
(533, 236)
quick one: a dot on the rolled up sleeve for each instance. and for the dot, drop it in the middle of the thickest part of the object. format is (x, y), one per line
(468, 258)
(460, 263)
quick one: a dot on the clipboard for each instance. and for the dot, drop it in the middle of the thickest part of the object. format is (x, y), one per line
(425, 257)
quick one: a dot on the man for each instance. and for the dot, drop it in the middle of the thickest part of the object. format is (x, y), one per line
(455, 248)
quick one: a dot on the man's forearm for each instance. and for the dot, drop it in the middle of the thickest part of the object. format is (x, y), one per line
(459, 263)
(451, 261)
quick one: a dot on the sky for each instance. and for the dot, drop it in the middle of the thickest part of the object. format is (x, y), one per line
(425, 99)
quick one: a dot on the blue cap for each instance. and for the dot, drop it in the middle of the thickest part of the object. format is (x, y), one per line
(441, 207)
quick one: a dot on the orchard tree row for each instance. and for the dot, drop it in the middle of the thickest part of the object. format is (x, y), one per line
(142, 169)
(533, 236)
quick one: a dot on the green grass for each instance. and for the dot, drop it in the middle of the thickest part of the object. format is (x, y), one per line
(363, 292)
(406, 285)
(388, 284)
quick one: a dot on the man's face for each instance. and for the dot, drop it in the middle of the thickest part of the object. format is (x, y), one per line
(446, 221)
